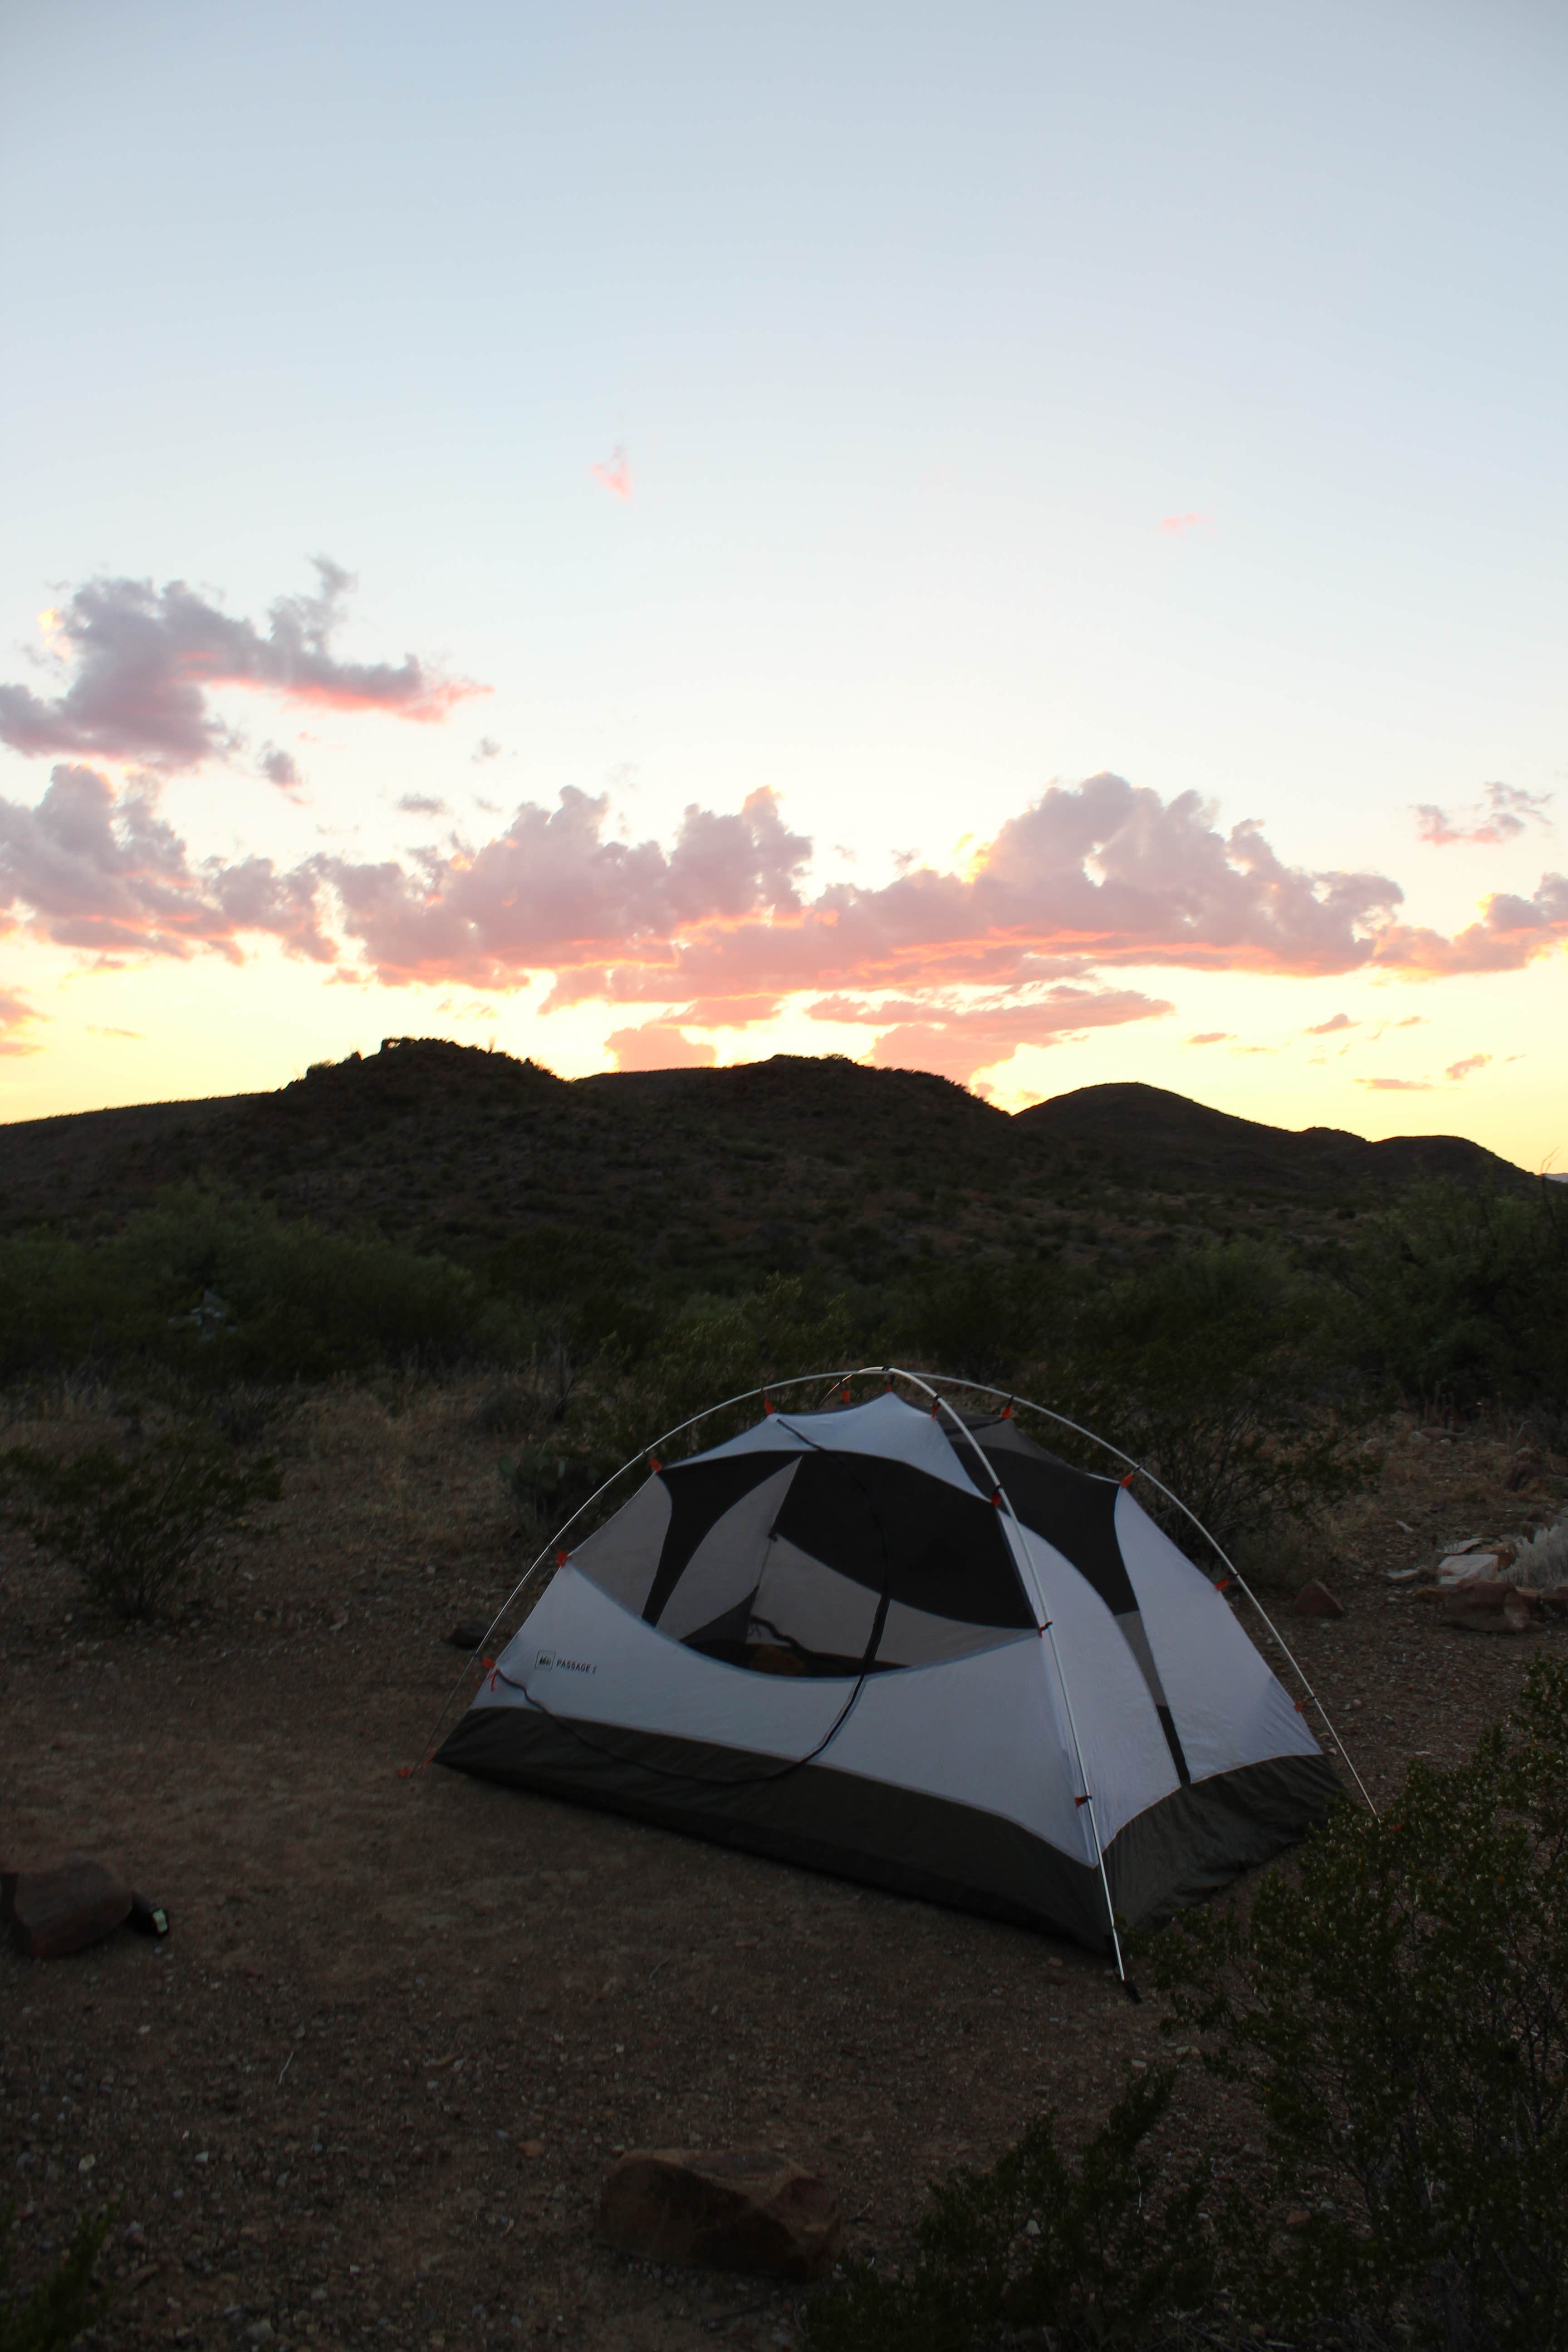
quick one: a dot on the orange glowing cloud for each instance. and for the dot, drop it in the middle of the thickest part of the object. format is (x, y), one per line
(1175, 526)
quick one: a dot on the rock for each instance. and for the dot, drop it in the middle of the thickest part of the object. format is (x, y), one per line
(1460, 1567)
(1315, 1600)
(1489, 1608)
(1401, 1575)
(63, 1905)
(721, 2209)
(467, 1633)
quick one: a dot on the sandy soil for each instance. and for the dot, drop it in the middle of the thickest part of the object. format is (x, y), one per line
(367, 2087)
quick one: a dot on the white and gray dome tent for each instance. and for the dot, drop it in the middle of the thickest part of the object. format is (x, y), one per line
(911, 1647)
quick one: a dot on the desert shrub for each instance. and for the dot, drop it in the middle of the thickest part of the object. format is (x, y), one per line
(226, 1291)
(1396, 2011)
(549, 1482)
(718, 1349)
(1463, 1295)
(981, 1318)
(139, 1525)
(249, 1294)
(62, 1305)
(1221, 1370)
(68, 2301)
(1098, 2254)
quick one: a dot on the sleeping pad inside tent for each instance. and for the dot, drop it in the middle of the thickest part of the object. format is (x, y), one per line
(918, 1652)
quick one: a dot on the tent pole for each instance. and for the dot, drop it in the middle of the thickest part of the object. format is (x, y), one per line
(764, 1388)
(981, 1388)
(1047, 1629)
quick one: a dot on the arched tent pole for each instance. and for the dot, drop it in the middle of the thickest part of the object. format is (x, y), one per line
(1047, 1628)
(982, 1388)
(765, 1389)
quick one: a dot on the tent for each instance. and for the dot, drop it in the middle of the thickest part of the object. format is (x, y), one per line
(914, 1648)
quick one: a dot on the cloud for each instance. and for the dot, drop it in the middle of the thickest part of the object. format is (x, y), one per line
(1463, 1069)
(1209, 1037)
(421, 804)
(1503, 815)
(134, 1034)
(1512, 932)
(1328, 1028)
(1089, 877)
(658, 1045)
(551, 893)
(1175, 526)
(278, 768)
(98, 868)
(957, 1040)
(616, 474)
(1100, 874)
(16, 1018)
(1397, 1086)
(487, 748)
(144, 660)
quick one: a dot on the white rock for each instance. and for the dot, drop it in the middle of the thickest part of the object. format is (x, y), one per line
(1463, 1568)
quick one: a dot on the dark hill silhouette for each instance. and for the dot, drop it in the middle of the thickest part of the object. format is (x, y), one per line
(716, 1174)
(1169, 1142)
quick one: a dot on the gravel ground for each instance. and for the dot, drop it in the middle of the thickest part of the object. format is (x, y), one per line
(366, 2088)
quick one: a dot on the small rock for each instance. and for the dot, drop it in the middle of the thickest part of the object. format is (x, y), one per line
(467, 1633)
(721, 2209)
(62, 1906)
(1460, 1567)
(1401, 1575)
(259, 2332)
(1315, 1600)
(1297, 2220)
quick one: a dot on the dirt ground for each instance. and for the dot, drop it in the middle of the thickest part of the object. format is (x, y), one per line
(366, 2088)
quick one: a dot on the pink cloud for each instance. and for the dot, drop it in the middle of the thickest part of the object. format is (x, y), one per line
(616, 474)
(1209, 1037)
(1328, 1028)
(658, 1045)
(16, 1018)
(96, 868)
(144, 660)
(1175, 525)
(1463, 1069)
(551, 893)
(957, 1040)
(1503, 815)
(1512, 932)
(1397, 1086)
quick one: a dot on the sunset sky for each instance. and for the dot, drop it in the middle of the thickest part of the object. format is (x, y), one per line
(1023, 541)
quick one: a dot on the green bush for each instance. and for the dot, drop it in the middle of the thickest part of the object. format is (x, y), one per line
(66, 2302)
(718, 1350)
(1098, 2254)
(1396, 2011)
(1463, 1295)
(139, 1527)
(1219, 1370)
(226, 1291)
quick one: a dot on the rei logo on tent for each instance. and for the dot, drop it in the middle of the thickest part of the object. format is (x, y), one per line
(566, 1665)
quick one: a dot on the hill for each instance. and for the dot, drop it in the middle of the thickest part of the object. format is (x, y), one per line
(715, 1175)
(1172, 1144)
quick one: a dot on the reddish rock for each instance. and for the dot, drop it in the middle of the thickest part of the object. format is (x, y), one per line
(63, 1905)
(721, 2209)
(1491, 1608)
(1315, 1600)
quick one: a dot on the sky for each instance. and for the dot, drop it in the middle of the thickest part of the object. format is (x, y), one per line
(1017, 540)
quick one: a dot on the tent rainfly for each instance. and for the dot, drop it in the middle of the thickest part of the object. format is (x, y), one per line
(915, 1649)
